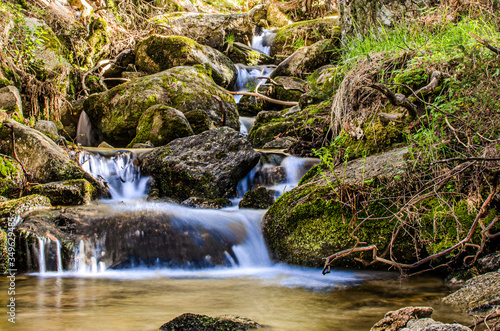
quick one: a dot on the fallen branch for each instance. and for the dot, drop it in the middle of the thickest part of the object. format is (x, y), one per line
(396, 99)
(222, 109)
(14, 154)
(435, 76)
(258, 95)
(98, 66)
(486, 44)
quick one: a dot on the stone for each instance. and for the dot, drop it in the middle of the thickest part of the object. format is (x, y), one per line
(206, 203)
(241, 53)
(12, 209)
(115, 114)
(206, 29)
(42, 157)
(104, 145)
(428, 324)
(188, 322)
(208, 165)
(275, 16)
(12, 177)
(160, 125)
(67, 193)
(396, 320)
(490, 262)
(280, 143)
(479, 294)
(48, 128)
(307, 59)
(158, 53)
(260, 198)
(306, 33)
(10, 102)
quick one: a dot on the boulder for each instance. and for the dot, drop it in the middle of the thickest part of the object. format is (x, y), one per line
(42, 157)
(290, 37)
(260, 198)
(414, 319)
(10, 102)
(188, 322)
(4, 254)
(288, 89)
(275, 16)
(206, 203)
(12, 177)
(160, 125)
(490, 262)
(280, 143)
(67, 193)
(48, 128)
(10, 210)
(208, 165)
(479, 294)
(157, 53)
(307, 59)
(115, 114)
(268, 125)
(206, 29)
(241, 53)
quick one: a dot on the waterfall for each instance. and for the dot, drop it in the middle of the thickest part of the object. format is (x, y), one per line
(121, 172)
(58, 256)
(247, 78)
(262, 40)
(84, 130)
(246, 124)
(41, 255)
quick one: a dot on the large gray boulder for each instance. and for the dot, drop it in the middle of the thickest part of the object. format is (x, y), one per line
(207, 29)
(208, 165)
(10, 101)
(157, 53)
(115, 114)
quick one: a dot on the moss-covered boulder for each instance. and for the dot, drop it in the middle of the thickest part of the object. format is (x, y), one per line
(190, 322)
(275, 16)
(206, 29)
(206, 203)
(241, 53)
(10, 102)
(160, 125)
(67, 193)
(291, 37)
(42, 157)
(115, 114)
(322, 85)
(12, 177)
(208, 165)
(199, 121)
(157, 53)
(4, 254)
(308, 223)
(48, 128)
(288, 88)
(307, 59)
(12, 209)
(260, 198)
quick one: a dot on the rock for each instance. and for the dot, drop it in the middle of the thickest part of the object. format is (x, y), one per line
(258, 13)
(302, 226)
(275, 16)
(241, 53)
(158, 53)
(199, 120)
(268, 125)
(4, 254)
(289, 89)
(323, 83)
(270, 175)
(307, 59)
(115, 114)
(280, 143)
(189, 322)
(208, 165)
(206, 29)
(67, 193)
(10, 102)
(260, 198)
(48, 128)
(12, 177)
(42, 157)
(206, 203)
(11, 209)
(160, 125)
(396, 320)
(480, 293)
(490, 262)
(290, 37)
(104, 145)
(428, 324)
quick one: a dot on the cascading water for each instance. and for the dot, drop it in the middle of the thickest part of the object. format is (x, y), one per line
(248, 77)
(262, 40)
(84, 130)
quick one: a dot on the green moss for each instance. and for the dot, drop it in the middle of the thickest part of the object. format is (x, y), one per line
(4, 258)
(11, 177)
(11, 208)
(67, 193)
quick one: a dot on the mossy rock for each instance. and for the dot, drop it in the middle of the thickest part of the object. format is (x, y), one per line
(115, 114)
(4, 257)
(249, 105)
(67, 193)
(12, 177)
(12, 208)
(323, 83)
(260, 198)
(199, 121)
(241, 53)
(275, 16)
(157, 53)
(291, 37)
(290, 89)
(160, 125)
(206, 203)
(188, 322)
(263, 133)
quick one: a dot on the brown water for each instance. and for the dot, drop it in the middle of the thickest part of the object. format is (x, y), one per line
(91, 303)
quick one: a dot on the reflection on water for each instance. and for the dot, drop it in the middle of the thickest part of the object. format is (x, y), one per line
(120, 302)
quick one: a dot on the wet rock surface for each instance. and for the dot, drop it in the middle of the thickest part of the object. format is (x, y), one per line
(190, 322)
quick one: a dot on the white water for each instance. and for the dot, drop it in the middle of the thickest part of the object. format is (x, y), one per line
(247, 78)
(84, 130)
(246, 124)
(41, 255)
(58, 257)
(263, 41)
